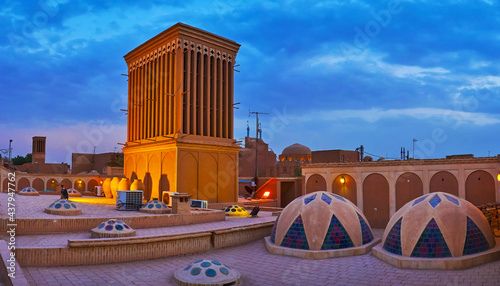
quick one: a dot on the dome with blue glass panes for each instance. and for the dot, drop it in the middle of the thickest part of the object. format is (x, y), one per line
(321, 221)
(438, 225)
(207, 272)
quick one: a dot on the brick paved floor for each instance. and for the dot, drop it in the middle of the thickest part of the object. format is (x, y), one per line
(258, 267)
(252, 260)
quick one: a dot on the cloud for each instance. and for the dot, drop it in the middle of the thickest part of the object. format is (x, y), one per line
(376, 114)
(63, 140)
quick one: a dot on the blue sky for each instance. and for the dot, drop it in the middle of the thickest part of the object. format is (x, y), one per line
(332, 74)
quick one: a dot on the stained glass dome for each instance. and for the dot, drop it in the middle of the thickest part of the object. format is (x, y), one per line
(155, 207)
(63, 207)
(28, 191)
(321, 221)
(112, 228)
(207, 272)
(74, 193)
(235, 210)
(438, 225)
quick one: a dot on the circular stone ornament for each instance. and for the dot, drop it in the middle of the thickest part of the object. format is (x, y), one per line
(112, 228)
(237, 211)
(207, 272)
(63, 207)
(28, 191)
(155, 207)
(74, 193)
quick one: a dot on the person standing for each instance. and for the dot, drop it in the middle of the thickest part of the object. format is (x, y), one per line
(64, 193)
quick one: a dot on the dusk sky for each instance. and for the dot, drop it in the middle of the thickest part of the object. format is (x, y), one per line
(331, 74)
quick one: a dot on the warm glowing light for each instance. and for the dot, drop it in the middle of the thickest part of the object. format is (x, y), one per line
(101, 182)
(266, 195)
(498, 178)
(79, 181)
(342, 180)
(52, 181)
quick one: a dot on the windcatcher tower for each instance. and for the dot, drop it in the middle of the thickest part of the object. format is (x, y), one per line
(180, 115)
(38, 150)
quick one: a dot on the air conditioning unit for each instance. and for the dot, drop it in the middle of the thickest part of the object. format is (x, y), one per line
(128, 200)
(166, 197)
(199, 204)
(98, 191)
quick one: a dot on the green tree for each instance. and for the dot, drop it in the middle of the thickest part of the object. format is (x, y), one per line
(297, 172)
(18, 160)
(116, 160)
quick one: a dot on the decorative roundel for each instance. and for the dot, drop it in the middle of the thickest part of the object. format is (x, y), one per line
(207, 272)
(112, 228)
(438, 225)
(155, 207)
(63, 207)
(321, 221)
(235, 210)
(28, 191)
(74, 193)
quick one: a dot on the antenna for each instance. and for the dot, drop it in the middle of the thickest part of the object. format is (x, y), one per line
(256, 143)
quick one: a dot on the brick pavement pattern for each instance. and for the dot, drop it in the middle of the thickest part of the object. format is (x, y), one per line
(256, 265)
(260, 268)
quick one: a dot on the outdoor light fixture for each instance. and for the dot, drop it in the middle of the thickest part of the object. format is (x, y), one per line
(342, 180)
(498, 177)
(266, 195)
(52, 181)
(79, 181)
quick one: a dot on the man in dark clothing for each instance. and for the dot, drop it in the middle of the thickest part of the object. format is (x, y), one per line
(64, 193)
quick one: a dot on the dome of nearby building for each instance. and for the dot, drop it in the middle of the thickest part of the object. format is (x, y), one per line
(155, 207)
(74, 193)
(207, 272)
(296, 149)
(112, 228)
(438, 225)
(28, 191)
(63, 207)
(235, 210)
(321, 221)
(367, 159)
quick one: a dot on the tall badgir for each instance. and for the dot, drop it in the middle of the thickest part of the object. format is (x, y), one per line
(180, 115)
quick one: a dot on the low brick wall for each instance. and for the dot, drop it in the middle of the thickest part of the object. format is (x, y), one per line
(115, 251)
(61, 225)
(220, 206)
(241, 235)
(262, 203)
(18, 278)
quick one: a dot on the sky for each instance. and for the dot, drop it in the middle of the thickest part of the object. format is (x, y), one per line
(331, 74)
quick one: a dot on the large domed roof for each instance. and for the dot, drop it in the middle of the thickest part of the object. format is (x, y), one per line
(438, 225)
(321, 221)
(296, 149)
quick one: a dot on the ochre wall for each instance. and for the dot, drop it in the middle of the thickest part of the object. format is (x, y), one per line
(408, 187)
(444, 181)
(315, 183)
(376, 200)
(204, 173)
(480, 188)
(346, 189)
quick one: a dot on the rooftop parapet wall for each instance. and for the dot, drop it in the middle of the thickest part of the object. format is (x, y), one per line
(406, 162)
